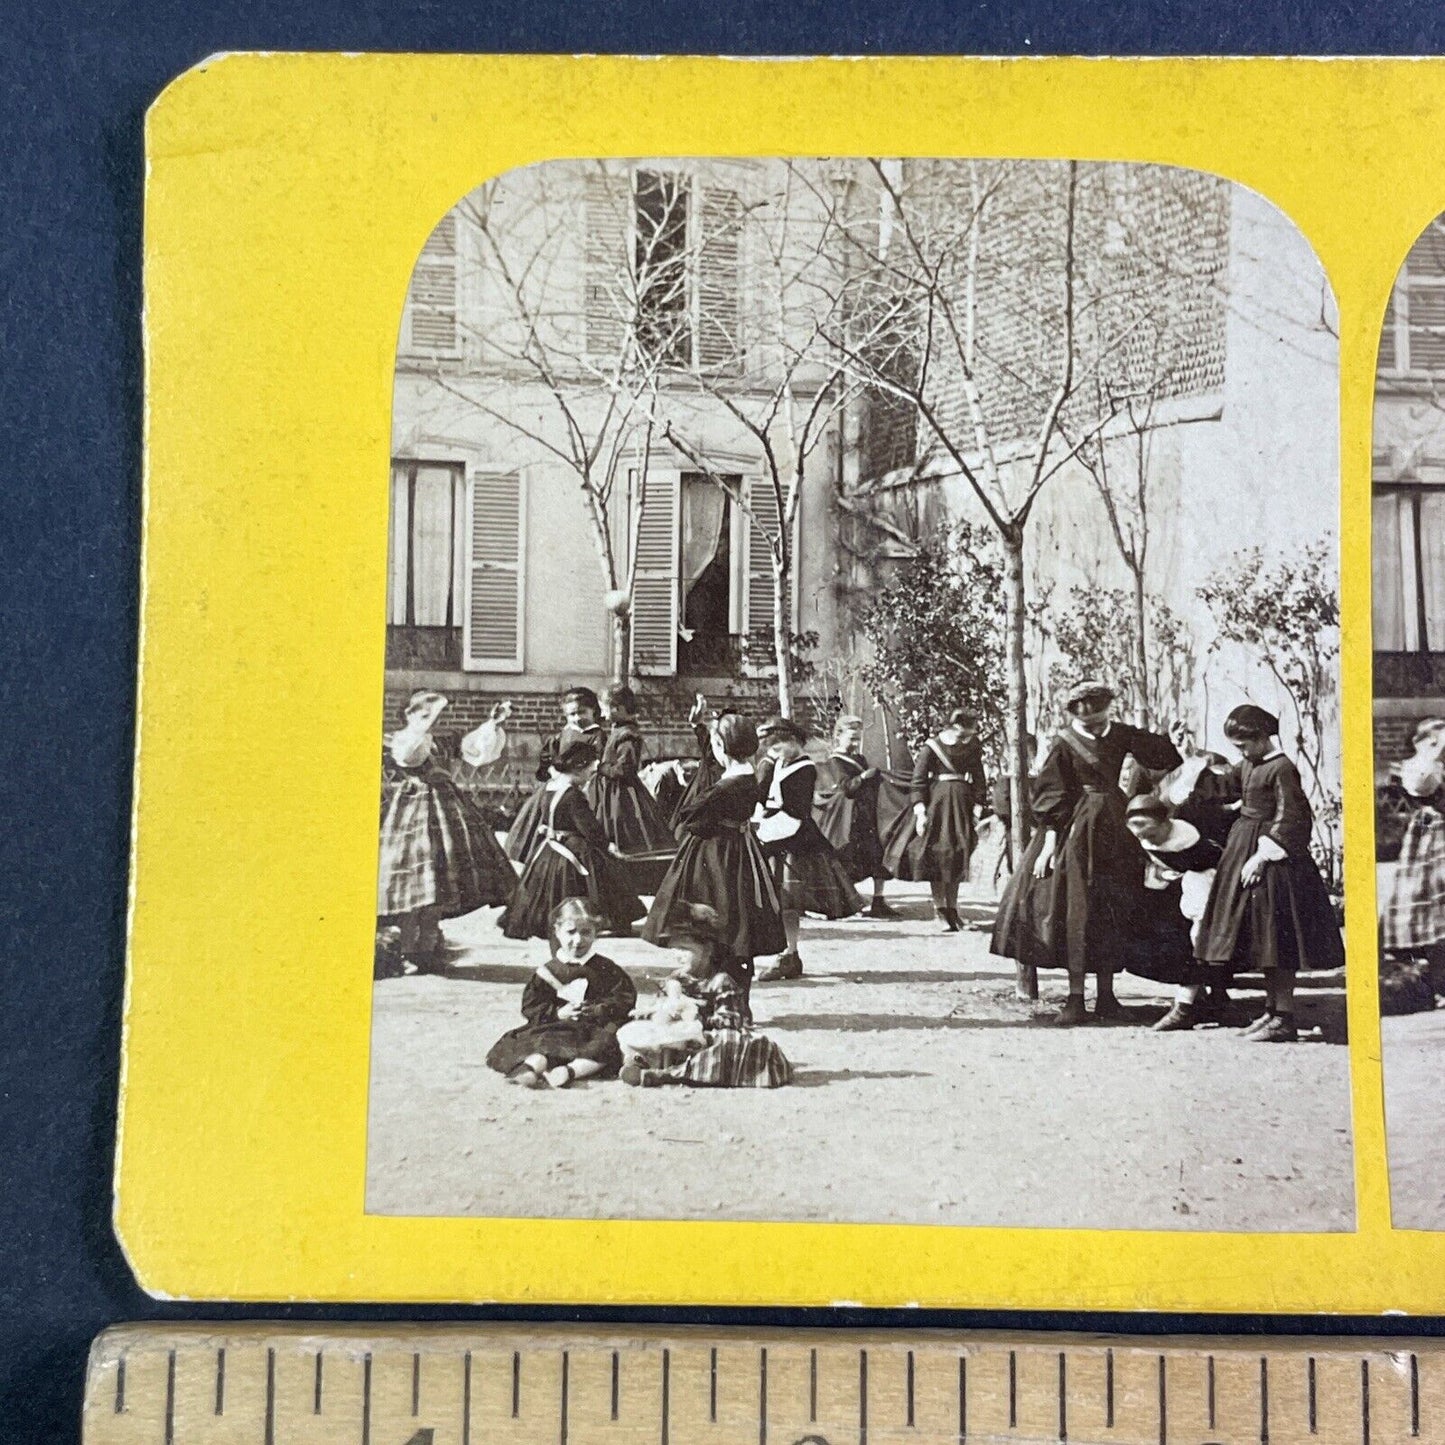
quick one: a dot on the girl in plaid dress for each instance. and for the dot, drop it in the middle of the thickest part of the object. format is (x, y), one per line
(713, 1046)
(1413, 917)
(439, 859)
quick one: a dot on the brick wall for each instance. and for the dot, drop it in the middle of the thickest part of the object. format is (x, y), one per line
(662, 717)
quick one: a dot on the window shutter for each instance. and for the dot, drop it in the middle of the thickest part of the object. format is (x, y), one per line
(606, 198)
(431, 322)
(496, 549)
(1388, 360)
(654, 593)
(719, 279)
(761, 529)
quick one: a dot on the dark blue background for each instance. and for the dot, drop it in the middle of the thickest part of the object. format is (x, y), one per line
(75, 81)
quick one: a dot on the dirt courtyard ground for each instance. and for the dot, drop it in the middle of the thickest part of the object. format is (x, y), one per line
(1413, 1047)
(923, 1093)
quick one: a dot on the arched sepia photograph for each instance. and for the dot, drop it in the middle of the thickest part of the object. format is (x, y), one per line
(862, 734)
(1408, 544)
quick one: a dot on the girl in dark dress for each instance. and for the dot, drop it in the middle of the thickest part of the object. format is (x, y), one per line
(580, 711)
(1179, 868)
(847, 810)
(629, 814)
(1069, 901)
(719, 863)
(809, 876)
(1269, 908)
(573, 858)
(948, 784)
(439, 859)
(573, 1005)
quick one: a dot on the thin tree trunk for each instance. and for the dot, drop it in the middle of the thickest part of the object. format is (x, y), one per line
(622, 646)
(1141, 648)
(1026, 978)
(781, 651)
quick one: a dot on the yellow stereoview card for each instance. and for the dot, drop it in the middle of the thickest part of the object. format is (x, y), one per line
(791, 682)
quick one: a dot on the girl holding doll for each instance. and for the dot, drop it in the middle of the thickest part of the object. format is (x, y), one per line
(809, 876)
(439, 858)
(719, 862)
(629, 814)
(580, 711)
(699, 1032)
(573, 1005)
(573, 857)
(1268, 908)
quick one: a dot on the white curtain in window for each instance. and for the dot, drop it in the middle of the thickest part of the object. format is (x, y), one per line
(433, 557)
(703, 505)
(1388, 589)
(1432, 563)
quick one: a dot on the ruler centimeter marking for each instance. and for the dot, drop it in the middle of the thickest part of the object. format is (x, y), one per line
(448, 1386)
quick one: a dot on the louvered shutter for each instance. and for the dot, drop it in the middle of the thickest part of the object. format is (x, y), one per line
(1388, 350)
(655, 587)
(761, 529)
(605, 306)
(431, 321)
(496, 549)
(719, 279)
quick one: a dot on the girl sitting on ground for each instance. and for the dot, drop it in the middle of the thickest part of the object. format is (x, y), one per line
(573, 1005)
(700, 1031)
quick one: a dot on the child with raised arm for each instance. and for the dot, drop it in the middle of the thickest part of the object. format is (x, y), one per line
(573, 1005)
(439, 858)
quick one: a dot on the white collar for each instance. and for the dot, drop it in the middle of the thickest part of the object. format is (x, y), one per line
(559, 784)
(788, 769)
(545, 972)
(1269, 757)
(737, 769)
(1089, 737)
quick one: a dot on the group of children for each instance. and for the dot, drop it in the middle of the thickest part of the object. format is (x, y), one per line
(1412, 913)
(1207, 875)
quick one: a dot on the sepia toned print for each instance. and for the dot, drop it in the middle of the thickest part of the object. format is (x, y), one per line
(1409, 638)
(862, 720)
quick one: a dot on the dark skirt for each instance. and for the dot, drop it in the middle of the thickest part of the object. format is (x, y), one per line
(1079, 916)
(630, 815)
(563, 1041)
(815, 881)
(851, 826)
(1284, 921)
(729, 874)
(945, 849)
(551, 877)
(1157, 945)
(437, 851)
(522, 835)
